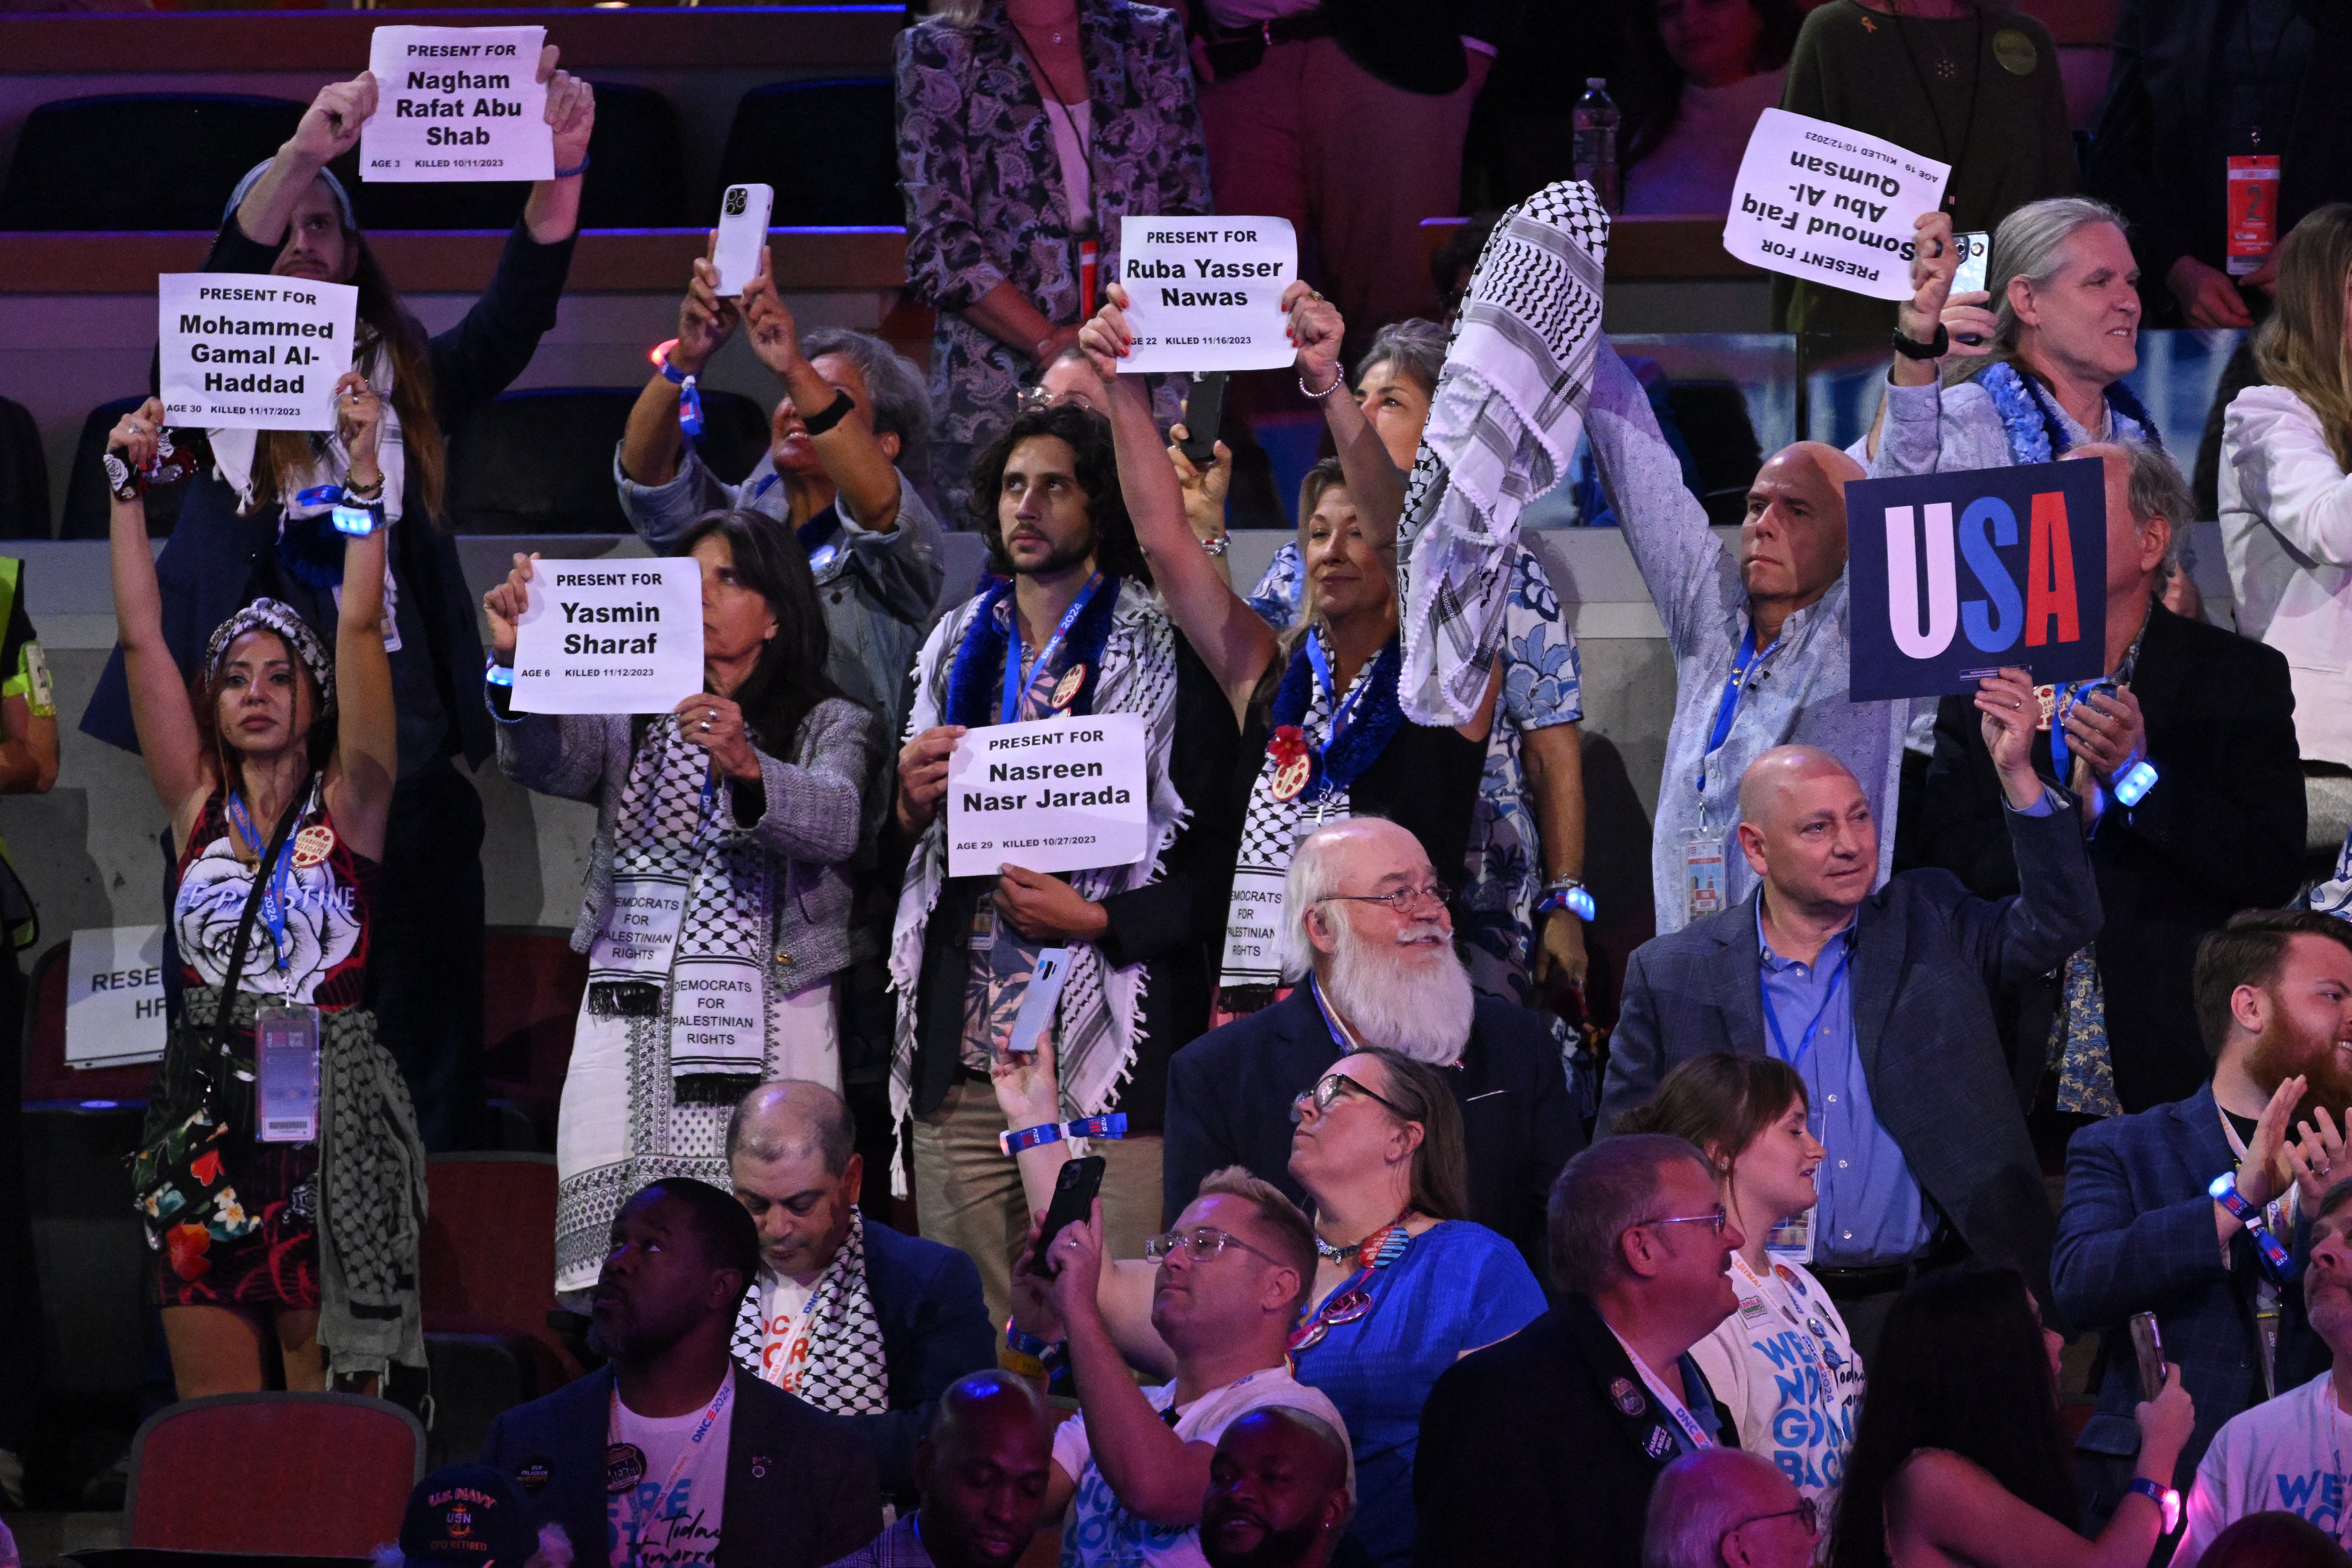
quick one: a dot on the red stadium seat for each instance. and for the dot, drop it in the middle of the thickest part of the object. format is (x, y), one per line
(339, 1467)
(487, 1265)
(48, 1082)
(531, 985)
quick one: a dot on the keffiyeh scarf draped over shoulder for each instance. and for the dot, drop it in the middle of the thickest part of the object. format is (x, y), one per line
(1099, 1016)
(844, 1373)
(1503, 425)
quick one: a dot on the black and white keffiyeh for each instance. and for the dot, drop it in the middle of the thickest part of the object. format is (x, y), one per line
(1503, 427)
(1099, 1016)
(844, 1373)
(664, 835)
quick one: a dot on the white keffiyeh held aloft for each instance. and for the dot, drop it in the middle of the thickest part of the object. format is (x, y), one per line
(233, 456)
(1503, 425)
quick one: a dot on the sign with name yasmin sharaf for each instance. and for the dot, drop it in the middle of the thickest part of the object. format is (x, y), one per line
(610, 637)
(1053, 795)
(1205, 293)
(240, 351)
(458, 103)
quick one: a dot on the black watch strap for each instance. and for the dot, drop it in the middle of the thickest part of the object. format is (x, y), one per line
(1911, 348)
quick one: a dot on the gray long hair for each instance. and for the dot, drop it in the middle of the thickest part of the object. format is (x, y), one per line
(2026, 246)
(1413, 345)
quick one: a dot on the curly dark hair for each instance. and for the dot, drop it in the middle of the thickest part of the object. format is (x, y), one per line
(1960, 1366)
(1117, 552)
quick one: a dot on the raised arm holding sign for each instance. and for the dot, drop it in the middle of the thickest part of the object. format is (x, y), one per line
(1830, 205)
(459, 103)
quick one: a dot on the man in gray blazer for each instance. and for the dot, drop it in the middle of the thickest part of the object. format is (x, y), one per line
(1882, 1002)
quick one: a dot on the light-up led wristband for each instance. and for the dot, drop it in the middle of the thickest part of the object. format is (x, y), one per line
(2275, 1257)
(498, 674)
(1035, 1137)
(2134, 785)
(689, 400)
(1569, 894)
(2164, 1497)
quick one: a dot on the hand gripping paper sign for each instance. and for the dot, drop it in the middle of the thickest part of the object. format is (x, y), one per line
(610, 637)
(1831, 206)
(458, 103)
(1054, 795)
(1951, 576)
(241, 351)
(1205, 293)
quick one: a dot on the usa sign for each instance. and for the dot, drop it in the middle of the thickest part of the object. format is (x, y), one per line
(1953, 575)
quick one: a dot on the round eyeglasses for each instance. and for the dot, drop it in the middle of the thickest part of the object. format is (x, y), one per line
(1402, 901)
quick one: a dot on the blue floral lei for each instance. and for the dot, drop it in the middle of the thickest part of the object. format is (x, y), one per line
(973, 693)
(1378, 716)
(2031, 421)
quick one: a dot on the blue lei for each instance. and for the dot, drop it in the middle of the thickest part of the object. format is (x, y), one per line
(311, 553)
(976, 678)
(2029, 420)
(1378, 716)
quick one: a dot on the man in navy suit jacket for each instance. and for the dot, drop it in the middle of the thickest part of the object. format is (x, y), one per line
(613, 1456)
(2140, 1231)
(1368, 974)
(854, 1316)
(1881, 1000)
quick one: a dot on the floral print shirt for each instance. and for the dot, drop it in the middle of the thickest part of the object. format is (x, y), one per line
(985, 203)
(1541, 687)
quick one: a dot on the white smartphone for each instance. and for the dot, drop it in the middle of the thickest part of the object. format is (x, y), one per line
(1976, 249)
(742, 230)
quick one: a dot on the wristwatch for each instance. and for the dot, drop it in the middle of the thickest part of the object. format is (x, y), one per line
(1912, 348)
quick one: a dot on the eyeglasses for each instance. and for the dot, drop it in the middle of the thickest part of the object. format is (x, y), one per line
(1400, 902)
(1715, 1219)
(1205, 1242)
(1331, 1087)
(1806, 1514)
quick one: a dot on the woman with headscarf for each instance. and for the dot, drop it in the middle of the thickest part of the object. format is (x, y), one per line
(281, 1181)
(718, 873)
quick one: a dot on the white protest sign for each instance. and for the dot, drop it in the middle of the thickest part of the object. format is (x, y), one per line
(241, 351)
(458, 103)
(1205, 293)
(1055, 794)
(1831, 206)
(610, 637)
(114, 997)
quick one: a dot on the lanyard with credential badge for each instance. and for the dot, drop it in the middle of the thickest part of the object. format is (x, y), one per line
(1674, 1407)
(1016, 676)
(636, 1528)
(1343, 713)
(1820, 1014)
(273, 895)
(1728, 708)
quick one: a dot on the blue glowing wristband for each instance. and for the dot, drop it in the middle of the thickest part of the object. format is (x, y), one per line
(2133, 787)
(498, 674)
(2164, 1497)
(1035, 1137)
(358, 521)
(2275, 1255)
(1570, 895)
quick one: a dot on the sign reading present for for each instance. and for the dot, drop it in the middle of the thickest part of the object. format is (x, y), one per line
(1831, 206)
(458, 103)
(247, 352)
(1205, 293)
(610, 637)
(1953, 575)
(114, 997)
(1054, 795)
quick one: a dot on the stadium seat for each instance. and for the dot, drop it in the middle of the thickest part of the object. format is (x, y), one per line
(527, 1015)
(339, 1467)
(854, 119)
(487, 1263)
(88, 505)
(24, 475)
(50, 1083)
(635, 177)
(139, 161)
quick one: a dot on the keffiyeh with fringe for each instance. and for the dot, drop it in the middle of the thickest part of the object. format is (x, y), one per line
(1503, 425)
(1099, 1018)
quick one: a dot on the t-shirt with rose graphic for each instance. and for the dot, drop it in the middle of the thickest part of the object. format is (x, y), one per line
(320, 957)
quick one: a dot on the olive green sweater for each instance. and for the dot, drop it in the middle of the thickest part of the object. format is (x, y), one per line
(1998, 119)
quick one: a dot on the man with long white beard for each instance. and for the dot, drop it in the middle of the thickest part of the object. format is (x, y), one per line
(1368, 951)
(2153, 1221)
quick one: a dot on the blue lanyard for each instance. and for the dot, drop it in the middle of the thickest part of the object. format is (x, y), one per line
(763, 487)
(1338, 1036)
(1727, 710)
(1343, 713)
(1017, 677)
(273, 895)
(1820, 1014)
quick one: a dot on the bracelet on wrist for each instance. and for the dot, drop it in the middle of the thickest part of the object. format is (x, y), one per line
(1567, 893)
(1216, 546)
(498, 674)
(2277, 1260)
(2164, 1499)
(579, 168)
(1339, 380)
(1110, 1124)
(831, 414)
(1935, 347)
(1020, 1365)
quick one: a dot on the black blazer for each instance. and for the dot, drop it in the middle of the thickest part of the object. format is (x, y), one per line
(800, 1483)
(2222, 831)
(1229, 1095)
(1527, 1457)
(1927, 957)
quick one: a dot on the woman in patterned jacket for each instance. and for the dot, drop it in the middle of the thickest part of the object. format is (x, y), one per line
(1026, 130)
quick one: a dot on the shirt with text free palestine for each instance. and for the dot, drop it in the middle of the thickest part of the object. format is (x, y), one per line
(658, 1524)
(2287, 1454)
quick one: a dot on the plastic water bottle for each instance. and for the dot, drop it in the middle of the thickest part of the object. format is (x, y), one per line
(1596, 142)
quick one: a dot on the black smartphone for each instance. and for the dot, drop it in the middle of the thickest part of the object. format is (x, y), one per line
(1074, 1203)
(1204, 413)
